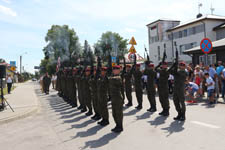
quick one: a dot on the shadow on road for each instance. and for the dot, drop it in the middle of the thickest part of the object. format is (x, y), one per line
(101, 141)
(146, 115)
(84, 124)
(158, 121)
(174, 127)
(132, 112)
(89, 132)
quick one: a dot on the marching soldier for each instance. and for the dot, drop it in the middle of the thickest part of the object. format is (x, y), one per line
(151, 76)
(179, 86)
(116, 86)
(94, 95)
(137, 84)
(102, 90)
(128, 85)
(163, 88)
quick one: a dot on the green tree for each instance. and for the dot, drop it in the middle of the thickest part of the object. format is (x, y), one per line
(2, 60)
(111, 43)
(61, 42)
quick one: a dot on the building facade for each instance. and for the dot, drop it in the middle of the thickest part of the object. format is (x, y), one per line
(187, 36)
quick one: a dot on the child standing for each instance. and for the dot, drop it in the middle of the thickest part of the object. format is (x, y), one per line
(210, 84)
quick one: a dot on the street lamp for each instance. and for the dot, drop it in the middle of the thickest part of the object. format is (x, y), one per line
(21, 61)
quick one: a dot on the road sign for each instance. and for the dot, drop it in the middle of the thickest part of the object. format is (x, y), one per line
(113, 64)
(131, 56)
(13, 68)
(13, 63)
(132, 41)
(132, 49)
(206, 45)
(113, 59)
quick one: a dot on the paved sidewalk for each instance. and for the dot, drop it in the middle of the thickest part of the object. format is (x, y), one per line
(23, 100)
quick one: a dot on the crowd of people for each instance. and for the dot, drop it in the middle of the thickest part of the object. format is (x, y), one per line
(94, 90)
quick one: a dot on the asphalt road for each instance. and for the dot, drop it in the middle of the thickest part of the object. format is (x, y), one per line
(57, 126)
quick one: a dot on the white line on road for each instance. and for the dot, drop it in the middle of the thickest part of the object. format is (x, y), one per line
(205, 124)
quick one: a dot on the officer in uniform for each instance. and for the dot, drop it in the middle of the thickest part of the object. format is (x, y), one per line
(116, 89)
(179, 86)
(137, 84)
(94, 95)
(58, 82)
(87, 92)
(78, 82)
(74, 88)
(151, 76)
(46, 83)
(128, 85)
(163, 88)
(102, 90)
(83, 91)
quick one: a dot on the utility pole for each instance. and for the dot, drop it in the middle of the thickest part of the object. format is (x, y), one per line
(20, 64)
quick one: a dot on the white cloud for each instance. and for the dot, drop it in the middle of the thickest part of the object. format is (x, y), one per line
(7, 11)
(7, 1)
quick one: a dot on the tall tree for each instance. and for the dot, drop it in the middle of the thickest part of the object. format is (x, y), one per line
(62, 42)
(111, 43)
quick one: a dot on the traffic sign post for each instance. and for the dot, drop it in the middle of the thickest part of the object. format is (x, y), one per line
(206, 47)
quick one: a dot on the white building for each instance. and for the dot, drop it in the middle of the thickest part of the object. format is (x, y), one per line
(186, 36)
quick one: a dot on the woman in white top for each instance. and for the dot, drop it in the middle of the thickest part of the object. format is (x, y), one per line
(9, 81)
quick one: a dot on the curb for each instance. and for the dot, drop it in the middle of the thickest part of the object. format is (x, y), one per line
(20, 116)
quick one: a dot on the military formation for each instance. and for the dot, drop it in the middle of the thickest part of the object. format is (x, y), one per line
(93, 87)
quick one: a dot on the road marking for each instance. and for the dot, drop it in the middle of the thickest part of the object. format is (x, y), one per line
(205, 124)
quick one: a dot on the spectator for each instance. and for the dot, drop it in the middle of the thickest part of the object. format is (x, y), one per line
(192, 88)
(219, 69)
(9, 81)
(170, 83)
(223, 81)
(210, 84)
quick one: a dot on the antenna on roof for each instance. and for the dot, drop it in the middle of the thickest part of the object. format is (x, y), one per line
(212, 9)
(199, 14)
(199, 6)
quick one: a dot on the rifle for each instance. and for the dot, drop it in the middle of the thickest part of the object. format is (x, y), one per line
(124, 66)
(148, 59)
(99, 65)
(177, 57)
(164, 54)
(109, 70)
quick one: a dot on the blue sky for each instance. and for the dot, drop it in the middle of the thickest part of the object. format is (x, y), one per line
(24, 23)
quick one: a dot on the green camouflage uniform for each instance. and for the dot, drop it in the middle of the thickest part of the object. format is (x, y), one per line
(179, 86)
(151, 76)
(94, 94)
(138, 86)
(128, 86)
(102, 88)
(87, 93)
(116, 86)
(163, 88)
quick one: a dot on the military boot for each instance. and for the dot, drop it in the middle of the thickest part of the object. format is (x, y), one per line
(166, 113)
(178, 116)
(182, 118)
(89, 113)
(104, 122)
(117, 129)
(80, 107)
(129, 104)
(139, 107)
(84, 109)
